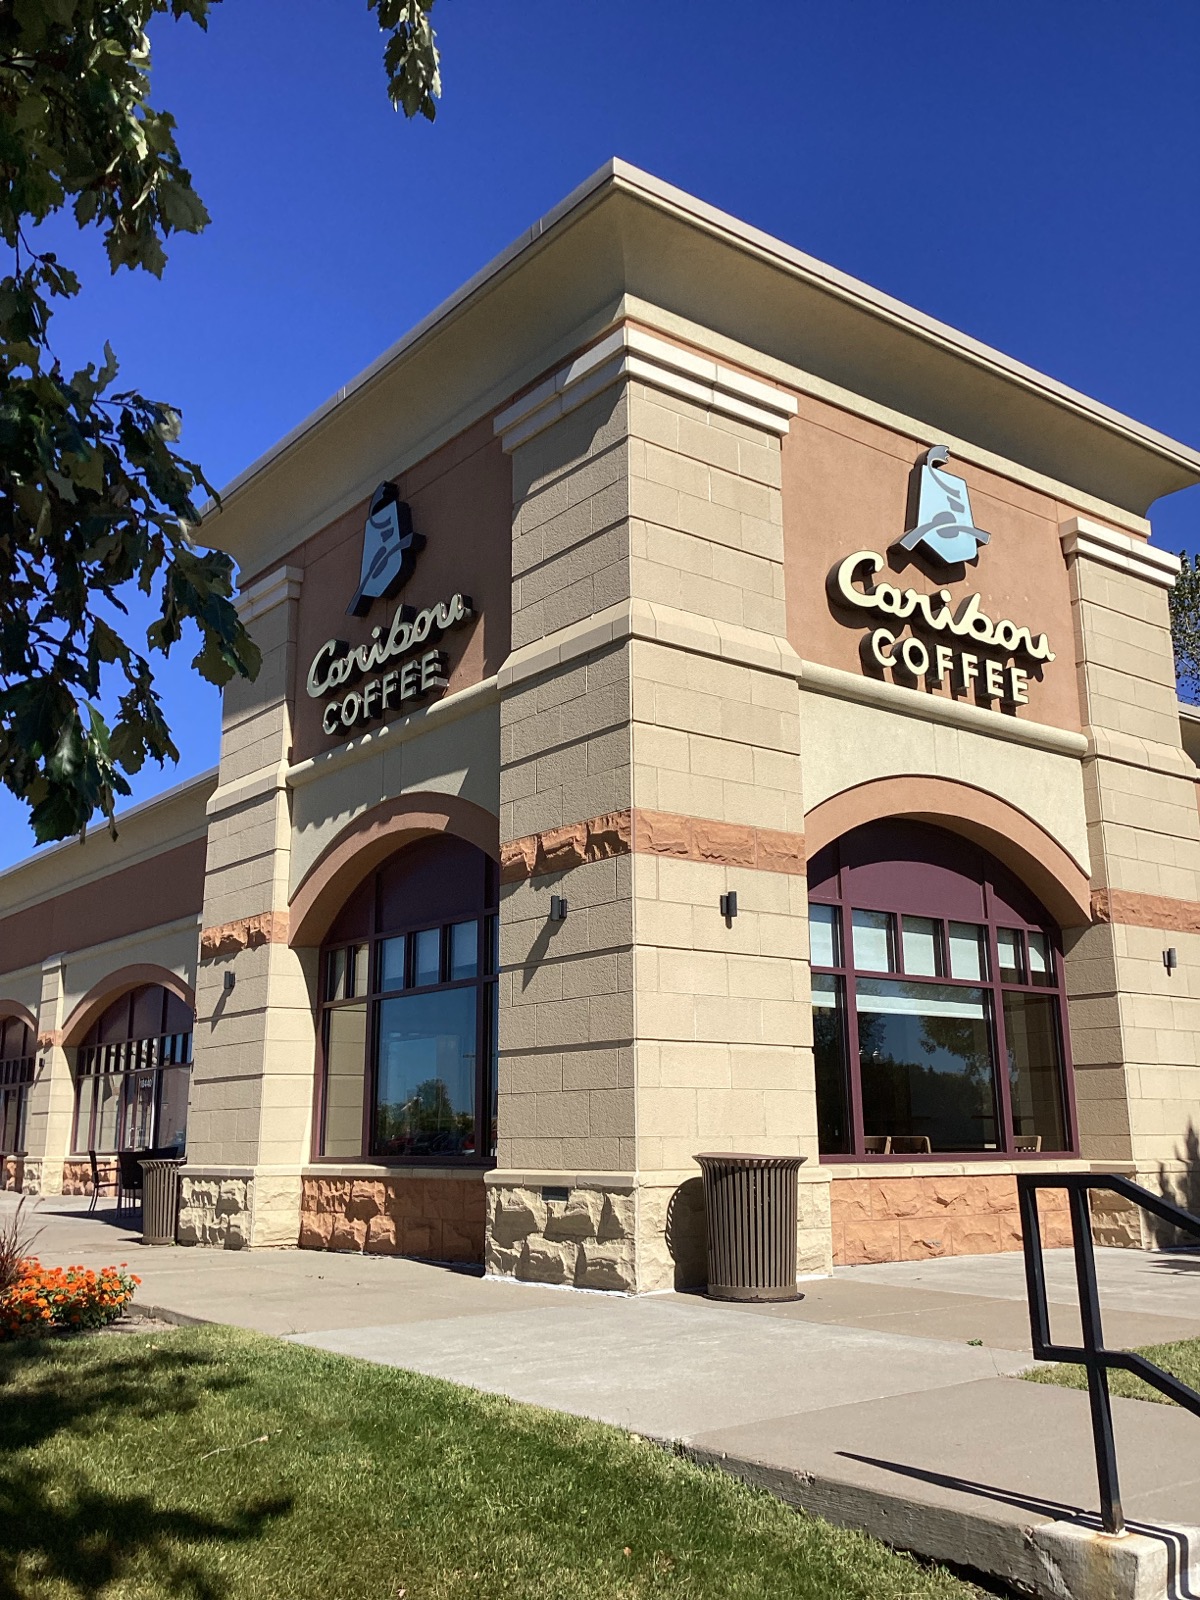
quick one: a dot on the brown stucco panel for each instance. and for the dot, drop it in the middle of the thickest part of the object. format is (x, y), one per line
(144, 895)
(461, 499)
(846, 487)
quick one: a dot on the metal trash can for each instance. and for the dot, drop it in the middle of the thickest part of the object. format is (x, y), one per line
(160, 1201)
(751, 1207)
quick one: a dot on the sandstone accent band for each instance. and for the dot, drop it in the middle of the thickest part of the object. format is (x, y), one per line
(1135, 910)
(247, 933)
(658, 833)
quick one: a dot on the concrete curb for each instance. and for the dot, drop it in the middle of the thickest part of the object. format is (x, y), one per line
(1052, 1559)
(181, 1319)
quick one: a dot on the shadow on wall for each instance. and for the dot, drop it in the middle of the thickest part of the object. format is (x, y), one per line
(1182, 1189)
(686, 1235)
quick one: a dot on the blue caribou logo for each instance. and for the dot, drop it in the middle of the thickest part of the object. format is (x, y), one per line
(389, 549)
(945, 527)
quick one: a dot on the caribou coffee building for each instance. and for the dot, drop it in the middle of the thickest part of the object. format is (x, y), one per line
(705, 704)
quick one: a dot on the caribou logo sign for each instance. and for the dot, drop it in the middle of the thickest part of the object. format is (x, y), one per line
(936, 639)
(389, 549)
(945, 528)
(401, 663)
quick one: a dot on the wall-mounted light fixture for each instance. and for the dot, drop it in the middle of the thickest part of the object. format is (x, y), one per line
(230, 980)
(728, 904)
(558, 908)
(1171, 959)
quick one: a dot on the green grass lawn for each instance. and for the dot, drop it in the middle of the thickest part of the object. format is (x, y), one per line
(1181, 1360)
(219, 1465)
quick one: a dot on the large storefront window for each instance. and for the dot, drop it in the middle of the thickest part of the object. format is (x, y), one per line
(132, 1073)
(931, 967)
(408, 1031)
(16, 1074)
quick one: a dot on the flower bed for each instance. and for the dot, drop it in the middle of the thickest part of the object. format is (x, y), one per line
(43, 1299)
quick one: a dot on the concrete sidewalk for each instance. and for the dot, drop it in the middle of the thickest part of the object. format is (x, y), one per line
(883, 1400)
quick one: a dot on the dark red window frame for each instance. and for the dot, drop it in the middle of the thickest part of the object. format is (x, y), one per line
(1004, 903)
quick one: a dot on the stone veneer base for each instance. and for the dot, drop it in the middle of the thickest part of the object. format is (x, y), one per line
(77, 1176)
(917, 1218)
(432, 1218)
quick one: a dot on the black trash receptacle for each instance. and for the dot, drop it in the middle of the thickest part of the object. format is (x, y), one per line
(160, 1201)
(751, 1207)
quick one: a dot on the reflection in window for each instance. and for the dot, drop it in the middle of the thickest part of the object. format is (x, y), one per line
(1010, 955)
(345, 1050)
(925, 1060)
(921, 947)
(824, 929)
(968, 951)
(874, 941)
(829, 1054)
(425, 1103)
(1034, 1070)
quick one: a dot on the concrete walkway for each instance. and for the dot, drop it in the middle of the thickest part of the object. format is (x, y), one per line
(885, 1399)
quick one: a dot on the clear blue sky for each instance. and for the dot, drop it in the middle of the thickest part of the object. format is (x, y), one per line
(1027, 171)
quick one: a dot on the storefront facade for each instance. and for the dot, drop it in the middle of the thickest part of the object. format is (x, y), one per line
(705, 705)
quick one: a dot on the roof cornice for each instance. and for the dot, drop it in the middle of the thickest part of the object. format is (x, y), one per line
(624, 232)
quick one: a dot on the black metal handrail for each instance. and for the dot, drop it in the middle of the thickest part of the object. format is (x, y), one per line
(1092, 1354)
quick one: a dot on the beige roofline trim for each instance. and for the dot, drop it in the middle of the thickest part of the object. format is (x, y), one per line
(176, 792)
(621, 175)
(628, 352)
(887, 308)
(1082, 537)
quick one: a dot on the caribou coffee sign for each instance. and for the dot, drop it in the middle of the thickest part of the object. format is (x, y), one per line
(402, 665)
(928, 637)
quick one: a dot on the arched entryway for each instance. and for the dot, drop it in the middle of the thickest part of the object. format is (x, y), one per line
(939, 1008)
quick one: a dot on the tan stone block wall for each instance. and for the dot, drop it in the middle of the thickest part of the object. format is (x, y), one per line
(715, 739)
(565, 745)
(1136, 1026)
(570, 519)
(566, 1022)
(916, 1218)
(706, 531)
(724, 1028)
(434, 1217)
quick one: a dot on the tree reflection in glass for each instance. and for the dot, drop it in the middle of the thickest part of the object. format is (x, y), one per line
(926, 1062)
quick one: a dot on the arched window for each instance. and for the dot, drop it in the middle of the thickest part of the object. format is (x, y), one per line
(16, 1074)
(131, 1074)
(932, 966)
(408, 1025)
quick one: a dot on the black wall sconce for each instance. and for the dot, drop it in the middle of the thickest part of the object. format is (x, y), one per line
(1170, 959)
(229, 981)
(558, 908)
(728, 904)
